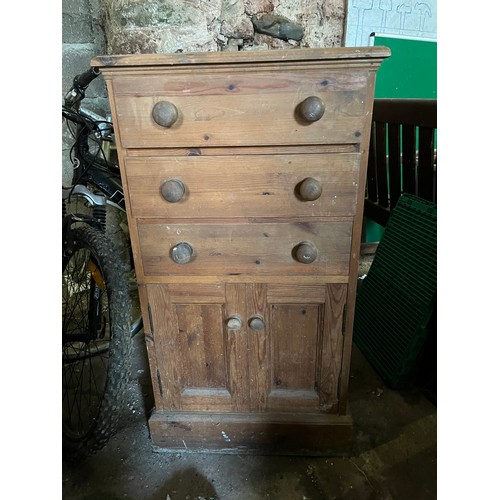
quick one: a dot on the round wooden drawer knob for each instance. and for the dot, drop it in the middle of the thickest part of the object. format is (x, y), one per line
(306, 252)
(312, 109)
(182, 253)
(165, 113)
(257, 323)
(310, 189)
(234, 323)
(173, 190)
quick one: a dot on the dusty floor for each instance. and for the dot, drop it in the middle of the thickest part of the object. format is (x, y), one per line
(394, 455)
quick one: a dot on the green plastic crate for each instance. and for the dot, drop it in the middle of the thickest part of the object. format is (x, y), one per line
(397, 297)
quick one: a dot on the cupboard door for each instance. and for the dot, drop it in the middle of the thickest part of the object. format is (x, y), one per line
(201, 363)
(247, 347)
(295, 359)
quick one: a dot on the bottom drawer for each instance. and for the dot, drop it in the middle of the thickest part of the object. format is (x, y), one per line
(256, 248)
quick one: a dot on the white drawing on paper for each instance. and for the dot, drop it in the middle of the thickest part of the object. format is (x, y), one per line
(385, 6)
(424, 9)
(403, 9)
(361, 5)
(397, 17)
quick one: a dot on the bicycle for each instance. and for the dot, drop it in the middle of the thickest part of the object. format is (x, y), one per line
(96, 305)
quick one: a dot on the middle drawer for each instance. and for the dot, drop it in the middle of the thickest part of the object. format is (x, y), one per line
(296, 185)
(209, 248)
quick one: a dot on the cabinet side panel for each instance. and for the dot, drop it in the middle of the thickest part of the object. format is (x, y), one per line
(165, 379)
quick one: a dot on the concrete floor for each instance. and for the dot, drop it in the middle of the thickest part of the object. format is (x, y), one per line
(394, 455)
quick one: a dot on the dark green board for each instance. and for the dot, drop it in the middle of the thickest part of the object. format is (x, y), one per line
(398, 295)
(410, 72)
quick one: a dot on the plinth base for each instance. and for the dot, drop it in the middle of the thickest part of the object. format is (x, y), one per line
(253, 433)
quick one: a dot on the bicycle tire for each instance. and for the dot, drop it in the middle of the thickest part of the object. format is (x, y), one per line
(121, 238)
(96, 361)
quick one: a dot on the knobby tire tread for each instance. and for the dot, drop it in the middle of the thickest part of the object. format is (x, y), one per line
(113, 403)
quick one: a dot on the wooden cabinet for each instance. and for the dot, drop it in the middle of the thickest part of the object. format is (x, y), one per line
(244, 178)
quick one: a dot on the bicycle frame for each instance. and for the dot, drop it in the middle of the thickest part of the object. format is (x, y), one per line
(98, 218)
(90, 169)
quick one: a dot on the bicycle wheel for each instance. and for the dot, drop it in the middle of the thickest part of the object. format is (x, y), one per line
(117, 232)
(96, 342)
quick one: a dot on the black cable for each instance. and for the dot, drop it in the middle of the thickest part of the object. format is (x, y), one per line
(88, 127)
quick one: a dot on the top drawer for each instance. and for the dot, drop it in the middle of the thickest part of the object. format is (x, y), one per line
(236, 108)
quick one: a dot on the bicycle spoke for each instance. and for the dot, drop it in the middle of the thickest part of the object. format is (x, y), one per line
(84, 358)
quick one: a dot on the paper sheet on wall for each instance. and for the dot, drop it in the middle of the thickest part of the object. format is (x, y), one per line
(406, 18)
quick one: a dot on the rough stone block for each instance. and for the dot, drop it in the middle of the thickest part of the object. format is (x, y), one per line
(253, 7)
(235, 22)
(187, 39)
(162, 26)
(278, 26)
(77, 29)
(322, 20)
(76, 59)
(134, 40)
(77, 22)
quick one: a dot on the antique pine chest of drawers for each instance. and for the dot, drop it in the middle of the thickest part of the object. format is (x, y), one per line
(244, 177)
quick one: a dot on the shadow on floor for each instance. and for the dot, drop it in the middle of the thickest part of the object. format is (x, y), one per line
(394, 454)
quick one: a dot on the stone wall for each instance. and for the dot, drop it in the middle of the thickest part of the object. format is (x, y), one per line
(82, 39)
(139, 26)
(96, 27)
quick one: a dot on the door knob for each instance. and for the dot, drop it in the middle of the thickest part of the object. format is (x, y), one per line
(311, 109)
(234, 323)
(310, 189)
(165, 113)
(173, 190)
(182, 253)
(305, 252)
(256, 323)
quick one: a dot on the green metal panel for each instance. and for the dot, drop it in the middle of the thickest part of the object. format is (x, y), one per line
(410, 72)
